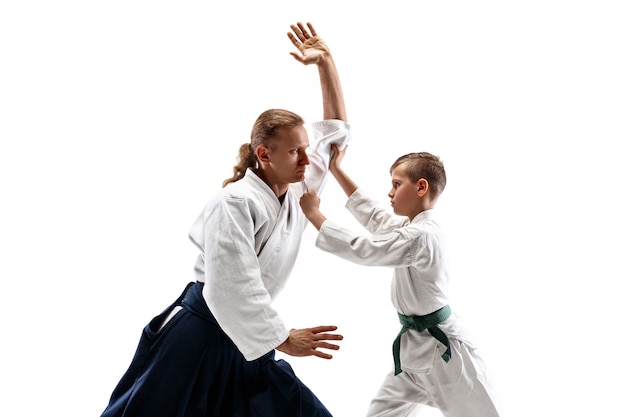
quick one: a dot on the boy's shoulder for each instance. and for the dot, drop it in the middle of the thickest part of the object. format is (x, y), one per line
(424, 224)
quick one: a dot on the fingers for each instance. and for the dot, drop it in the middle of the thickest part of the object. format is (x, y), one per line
(297, 38)
(321, 354)
(323, 345)
(319, 333)
(327, 336)
(297, 57)
(320, 329)
(300, 33)
(293, 39)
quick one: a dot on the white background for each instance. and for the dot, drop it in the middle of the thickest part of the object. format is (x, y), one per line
(119, 119)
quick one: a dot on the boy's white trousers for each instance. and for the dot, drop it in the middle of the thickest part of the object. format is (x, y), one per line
(458, 388)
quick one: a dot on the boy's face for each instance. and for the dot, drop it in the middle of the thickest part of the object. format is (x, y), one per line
(404, 194)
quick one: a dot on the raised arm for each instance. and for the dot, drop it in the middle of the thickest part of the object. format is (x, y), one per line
(312, 50)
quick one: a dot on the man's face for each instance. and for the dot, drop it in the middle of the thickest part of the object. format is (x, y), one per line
(287, 155)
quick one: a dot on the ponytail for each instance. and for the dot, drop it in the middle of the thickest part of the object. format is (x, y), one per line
(247, 159)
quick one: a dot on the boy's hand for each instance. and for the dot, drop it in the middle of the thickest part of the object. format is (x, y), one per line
(312, 49)
(336, 158)
(310, 204)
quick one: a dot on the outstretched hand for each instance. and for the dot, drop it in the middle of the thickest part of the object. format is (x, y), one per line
(306, 342)
(312, 49)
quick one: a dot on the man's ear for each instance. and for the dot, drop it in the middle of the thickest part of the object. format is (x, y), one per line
(422, 187)
(262, 154)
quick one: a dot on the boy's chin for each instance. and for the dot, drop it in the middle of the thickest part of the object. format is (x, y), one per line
(395, 211)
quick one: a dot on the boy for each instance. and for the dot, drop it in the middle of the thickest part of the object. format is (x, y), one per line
(435, 363)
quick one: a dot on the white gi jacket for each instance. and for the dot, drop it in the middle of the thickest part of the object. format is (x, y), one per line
(416, 250)
(249, 242)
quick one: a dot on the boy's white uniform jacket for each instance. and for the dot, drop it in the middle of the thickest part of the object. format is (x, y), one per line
(416, 250)
(249, 242)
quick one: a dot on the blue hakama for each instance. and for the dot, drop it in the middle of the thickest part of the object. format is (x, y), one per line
(190, 367)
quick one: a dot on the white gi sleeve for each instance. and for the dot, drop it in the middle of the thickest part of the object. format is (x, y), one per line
(325, 133)
(396, 249)
(233, 289)
(375, 218)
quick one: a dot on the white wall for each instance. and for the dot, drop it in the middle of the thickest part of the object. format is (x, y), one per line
(119, 119)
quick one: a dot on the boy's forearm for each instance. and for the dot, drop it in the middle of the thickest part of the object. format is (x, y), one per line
(316, 218)
(345, 182)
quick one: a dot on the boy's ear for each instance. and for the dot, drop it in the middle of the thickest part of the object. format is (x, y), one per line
(422, 187)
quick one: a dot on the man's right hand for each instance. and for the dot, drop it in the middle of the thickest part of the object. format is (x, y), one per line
(306, 342)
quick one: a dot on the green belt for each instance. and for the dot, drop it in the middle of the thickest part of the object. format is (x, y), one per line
(420, 323)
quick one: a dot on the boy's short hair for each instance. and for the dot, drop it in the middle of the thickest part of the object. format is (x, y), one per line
(424, 165)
